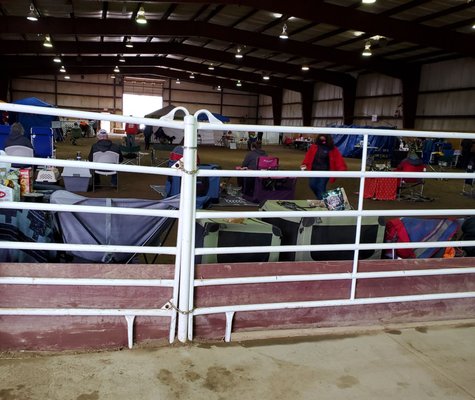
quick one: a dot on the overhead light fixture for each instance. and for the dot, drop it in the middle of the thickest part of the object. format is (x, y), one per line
(121, 59)
(140, 18)
(116, 69)
(305, 67)
(112, 76)
(62, 69)
(47, 42)
(67, 77)
(368, 1)
(218, 88)
(266, 77)
(211, 67)
(358, 33)
(192, 76)
(57, 59)
(238, 84)
(473, 26)
(284, 35)
(177, 81)
(128, 43)
(32, 13)
(367, 49)
(238, 52)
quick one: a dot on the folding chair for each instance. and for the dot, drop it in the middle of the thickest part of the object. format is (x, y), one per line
(109, 157)
(467, 188)
(446, 160)
(42, 141)
(412, 189)
(131, 154)
(160, 153)
(19, 151)
(4, 133)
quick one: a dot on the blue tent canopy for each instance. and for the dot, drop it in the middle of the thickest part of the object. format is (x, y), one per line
(204, 117)
(348, 144)
(29, 120)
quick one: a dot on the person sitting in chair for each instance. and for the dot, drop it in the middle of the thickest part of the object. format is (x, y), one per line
(17, 137)
(250, 160)
(412, 163)
(76, 133)
(105, 144)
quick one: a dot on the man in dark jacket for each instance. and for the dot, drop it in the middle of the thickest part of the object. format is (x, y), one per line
(104, 144)
(17, 137)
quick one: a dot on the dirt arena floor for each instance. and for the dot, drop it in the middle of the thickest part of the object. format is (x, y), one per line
(446, 193)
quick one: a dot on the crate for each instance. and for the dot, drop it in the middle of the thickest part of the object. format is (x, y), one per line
(76, 179)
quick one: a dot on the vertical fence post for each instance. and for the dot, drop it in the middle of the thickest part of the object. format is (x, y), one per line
(187, 223)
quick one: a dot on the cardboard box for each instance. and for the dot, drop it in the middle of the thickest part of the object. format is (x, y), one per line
(26, 180)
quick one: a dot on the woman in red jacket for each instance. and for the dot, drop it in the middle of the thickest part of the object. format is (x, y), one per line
(323, 155)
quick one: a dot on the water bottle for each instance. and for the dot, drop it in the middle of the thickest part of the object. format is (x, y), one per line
(78, 156)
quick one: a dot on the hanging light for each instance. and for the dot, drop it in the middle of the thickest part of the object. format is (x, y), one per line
(305, 67)
(57, 59)
(128, 43)
(140, 18)
(32, 14)
(67, 77)
(266, 77)
(177, 81)
(238, 52)
(284, 35)
(218, 88)
(192, 76)
(238, 84)
(367, 50)
(116, 69)
(112, 76)
(211, 67)
(62, 69)
(121, 59)
(368, 1)
(47, 42)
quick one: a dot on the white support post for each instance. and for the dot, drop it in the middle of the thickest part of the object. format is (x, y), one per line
(187, 222)
(130, 330)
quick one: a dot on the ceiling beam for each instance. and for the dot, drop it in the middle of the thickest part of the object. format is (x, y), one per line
(375, 24)
(155, 48)
(173, 29)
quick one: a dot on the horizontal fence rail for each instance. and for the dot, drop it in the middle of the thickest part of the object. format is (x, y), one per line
(181, 306)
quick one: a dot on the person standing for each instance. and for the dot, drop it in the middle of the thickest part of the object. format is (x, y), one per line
(322, 155)
(131, 130)
(76, 133)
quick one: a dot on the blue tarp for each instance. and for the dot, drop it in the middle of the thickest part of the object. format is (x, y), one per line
(204, 117)
(349, 144)
(29, 120)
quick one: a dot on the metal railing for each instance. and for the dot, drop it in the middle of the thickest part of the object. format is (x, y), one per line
(182, 302)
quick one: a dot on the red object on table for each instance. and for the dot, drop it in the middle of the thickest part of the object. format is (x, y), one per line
(381, 188)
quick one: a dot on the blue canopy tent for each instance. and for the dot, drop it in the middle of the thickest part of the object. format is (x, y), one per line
(30, 120)
(349, 144)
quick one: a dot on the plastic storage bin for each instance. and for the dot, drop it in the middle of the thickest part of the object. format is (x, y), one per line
(76, 179)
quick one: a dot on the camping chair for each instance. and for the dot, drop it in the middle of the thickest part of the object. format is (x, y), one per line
(412, 189)
(446, 160)
(160, 152)
(19, 151)
(4, 133)
(259, 189)
(112, 229)
(43, 141)
(131, 154)
(108, 157)
(467, 189)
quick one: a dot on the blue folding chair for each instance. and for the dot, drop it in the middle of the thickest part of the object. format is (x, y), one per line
(42, 141)
(4, 132)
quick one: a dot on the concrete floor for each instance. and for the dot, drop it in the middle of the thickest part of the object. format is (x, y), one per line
(418, 362)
